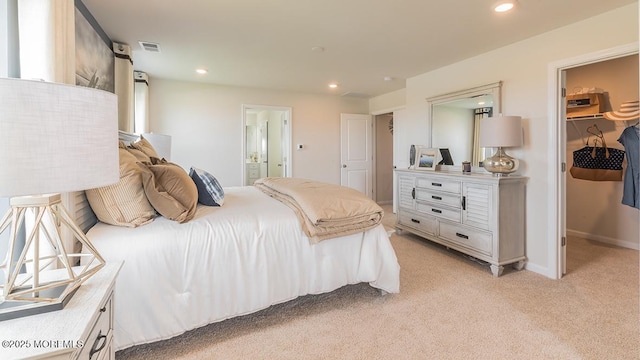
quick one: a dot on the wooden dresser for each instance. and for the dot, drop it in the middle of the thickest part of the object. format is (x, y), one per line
(82, 330)
(477, 214)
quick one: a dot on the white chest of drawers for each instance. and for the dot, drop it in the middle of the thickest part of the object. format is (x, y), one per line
(82, 330)
(253, 172)
(477, 214)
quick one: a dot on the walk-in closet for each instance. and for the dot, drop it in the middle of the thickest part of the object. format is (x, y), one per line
(594, 209)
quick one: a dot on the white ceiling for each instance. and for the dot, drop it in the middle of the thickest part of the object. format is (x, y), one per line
(267, 43)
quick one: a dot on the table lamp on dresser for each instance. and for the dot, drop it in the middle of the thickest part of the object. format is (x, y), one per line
(501, 132)
(54, 138)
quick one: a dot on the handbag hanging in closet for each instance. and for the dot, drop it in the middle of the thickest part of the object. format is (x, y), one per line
(597, 163)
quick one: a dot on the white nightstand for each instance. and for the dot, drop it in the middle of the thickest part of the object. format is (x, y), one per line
(82, 330)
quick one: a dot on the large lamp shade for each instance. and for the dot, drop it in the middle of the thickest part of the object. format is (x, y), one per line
(501, 131)
(56, 138)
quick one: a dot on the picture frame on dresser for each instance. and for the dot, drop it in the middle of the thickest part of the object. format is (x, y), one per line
(427, 158)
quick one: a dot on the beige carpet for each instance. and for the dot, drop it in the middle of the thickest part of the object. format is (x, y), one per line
(449, 307)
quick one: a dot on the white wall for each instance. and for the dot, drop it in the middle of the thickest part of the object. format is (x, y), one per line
(205, 123)
(388, 102)
(523, 67)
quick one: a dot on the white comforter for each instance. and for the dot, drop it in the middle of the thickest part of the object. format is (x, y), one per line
(228, 261)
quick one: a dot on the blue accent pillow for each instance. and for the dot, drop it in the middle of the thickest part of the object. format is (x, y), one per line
(209, 190)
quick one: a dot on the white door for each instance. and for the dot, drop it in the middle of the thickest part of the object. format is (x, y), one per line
(356, 152)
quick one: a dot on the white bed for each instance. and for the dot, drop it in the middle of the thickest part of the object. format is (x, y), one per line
(229, 261)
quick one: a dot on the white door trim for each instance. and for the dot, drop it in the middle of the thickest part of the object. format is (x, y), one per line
(286, 139)
(557, 136)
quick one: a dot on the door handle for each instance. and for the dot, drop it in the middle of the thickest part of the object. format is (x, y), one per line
(344, 165)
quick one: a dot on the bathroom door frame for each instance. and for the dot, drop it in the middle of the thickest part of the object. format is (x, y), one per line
(285, 142)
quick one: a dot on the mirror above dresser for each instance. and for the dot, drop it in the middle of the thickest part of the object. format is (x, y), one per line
(455, 119)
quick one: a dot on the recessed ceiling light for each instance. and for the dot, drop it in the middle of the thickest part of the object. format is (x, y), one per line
(317, 49)
(333, 85)
(387, 78)
(504, 6)
(202, 71)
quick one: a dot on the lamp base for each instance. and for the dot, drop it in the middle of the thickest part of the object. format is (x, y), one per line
(500, 164)
(40, 276)
(60, 296)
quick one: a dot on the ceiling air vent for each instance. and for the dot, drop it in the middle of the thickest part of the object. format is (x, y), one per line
(149, 46)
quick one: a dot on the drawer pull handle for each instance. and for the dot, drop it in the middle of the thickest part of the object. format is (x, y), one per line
(436, 184)
(413, 193)
(464, 203)
(103, 309)
(436, 197)
(415, 221)
(462, 236)
(98, 345)
(437, 211)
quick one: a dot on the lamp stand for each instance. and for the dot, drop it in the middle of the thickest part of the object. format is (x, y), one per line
(500, 164)
(29, 287)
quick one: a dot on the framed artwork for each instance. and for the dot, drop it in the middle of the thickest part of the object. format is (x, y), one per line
(427, 158)
(95, 62)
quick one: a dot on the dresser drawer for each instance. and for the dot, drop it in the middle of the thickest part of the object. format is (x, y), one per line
(439, 185)
(418, 222)
(438, 211)
(438, 198)
(99, 340)
(477, 240)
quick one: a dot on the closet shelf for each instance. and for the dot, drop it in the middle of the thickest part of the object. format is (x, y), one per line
(585, 117)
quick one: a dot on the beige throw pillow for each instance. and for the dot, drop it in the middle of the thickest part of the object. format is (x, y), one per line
(170, 190)
(123, 203)
(140, 156)
(145, 146)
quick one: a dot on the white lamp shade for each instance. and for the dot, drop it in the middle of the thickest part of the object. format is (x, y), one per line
(56, 138)
(501, 131)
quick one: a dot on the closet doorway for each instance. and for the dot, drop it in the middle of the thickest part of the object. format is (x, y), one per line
(587, 209)
(266, 142)
(383, 164)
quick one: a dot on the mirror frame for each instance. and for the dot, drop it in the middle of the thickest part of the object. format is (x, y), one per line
(494, 89)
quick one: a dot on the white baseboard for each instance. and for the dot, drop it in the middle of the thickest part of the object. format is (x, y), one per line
(542, 270)
(604, 239)
(385, 202)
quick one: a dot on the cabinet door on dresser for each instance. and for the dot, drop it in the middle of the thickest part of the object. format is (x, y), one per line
(406, 191)
(477, 205)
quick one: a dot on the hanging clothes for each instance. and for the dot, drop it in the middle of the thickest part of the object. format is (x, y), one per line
(630, 138)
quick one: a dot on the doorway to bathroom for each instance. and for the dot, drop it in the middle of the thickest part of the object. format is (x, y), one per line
(266, 142)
